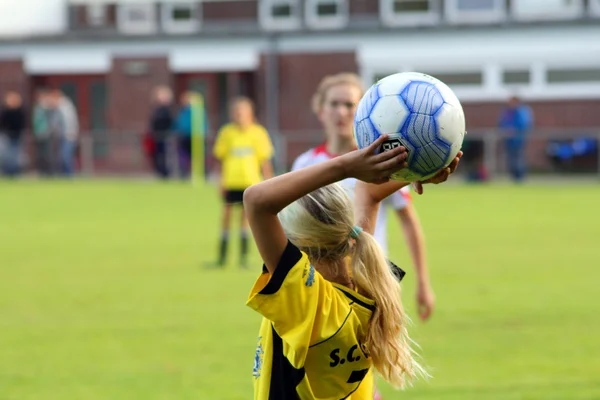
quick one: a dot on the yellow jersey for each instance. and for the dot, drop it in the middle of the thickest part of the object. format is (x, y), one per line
(242, 152)
(310, 340)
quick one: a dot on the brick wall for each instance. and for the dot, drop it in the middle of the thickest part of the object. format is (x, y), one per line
(299, 76)
(553, 115)
(548, 114)
(13, 77)
(230, 10)
(130, 85)
(364, 7)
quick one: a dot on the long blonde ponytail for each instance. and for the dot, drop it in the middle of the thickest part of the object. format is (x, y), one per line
(322, 224)
(388, 342)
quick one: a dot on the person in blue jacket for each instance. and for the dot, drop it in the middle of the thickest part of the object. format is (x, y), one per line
(183, 129)
(516, 122)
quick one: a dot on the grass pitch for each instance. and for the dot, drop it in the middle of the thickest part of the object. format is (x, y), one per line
(103, 294)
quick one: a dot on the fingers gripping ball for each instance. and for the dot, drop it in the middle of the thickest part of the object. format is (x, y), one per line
(418, 112)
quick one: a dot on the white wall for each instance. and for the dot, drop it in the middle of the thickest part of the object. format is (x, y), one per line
(490, 51)
(27, 17)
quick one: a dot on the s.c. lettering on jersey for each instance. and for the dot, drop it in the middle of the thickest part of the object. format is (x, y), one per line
(350, 355)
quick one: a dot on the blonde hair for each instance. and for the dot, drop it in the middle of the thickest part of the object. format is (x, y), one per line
(320, 224)
(344, 78)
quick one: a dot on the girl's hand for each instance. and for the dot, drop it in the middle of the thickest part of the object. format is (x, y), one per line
(369, 166)
(441, 176)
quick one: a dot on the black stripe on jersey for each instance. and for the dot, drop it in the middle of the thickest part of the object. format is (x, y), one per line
(290, 257)
(358, 376)
(284, 377)
(355, 375)
(357, 300)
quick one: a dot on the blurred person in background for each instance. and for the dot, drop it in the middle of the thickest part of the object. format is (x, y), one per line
(516, 122)
(12, 127)
(161, 123)
(335, 103)
(70, 131)
(244, 150)
(183, 129)
(47, 126)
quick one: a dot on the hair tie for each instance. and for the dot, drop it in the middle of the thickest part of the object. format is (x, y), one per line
(356, 230)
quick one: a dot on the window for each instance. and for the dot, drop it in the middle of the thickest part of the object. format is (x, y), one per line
(475, 11)
(279, 14)
(96, 14)
(516, 77)
(409, 12)
(573, 75)
(137, 18)
(527, 10)
(474, 78)
(282, 10)
(328, 9)
(468, 78)
(326, 14)
(411, 6)
(180, 17)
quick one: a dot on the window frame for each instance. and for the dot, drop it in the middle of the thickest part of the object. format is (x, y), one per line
(96, 14)
(172, 26)
(552, 68)
(126, 26)
(575, 14)
(315, 21)
(455, 16)
(391, 18)
(271, 23)
(516, 69)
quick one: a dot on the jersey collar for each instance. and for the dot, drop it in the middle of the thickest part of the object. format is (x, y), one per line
(322, 149)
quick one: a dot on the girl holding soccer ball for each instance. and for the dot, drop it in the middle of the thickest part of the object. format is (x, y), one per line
(328, 322)
(334, 103)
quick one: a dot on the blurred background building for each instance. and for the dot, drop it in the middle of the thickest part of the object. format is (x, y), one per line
(107, 56)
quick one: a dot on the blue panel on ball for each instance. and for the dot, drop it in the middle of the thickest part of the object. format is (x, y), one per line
(366, 133)
(367, 103)
(431, 157)
(422, 97)
(419, 129)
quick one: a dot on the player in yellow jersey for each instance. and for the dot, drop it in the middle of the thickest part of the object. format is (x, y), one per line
(328, 322)
(245, 150)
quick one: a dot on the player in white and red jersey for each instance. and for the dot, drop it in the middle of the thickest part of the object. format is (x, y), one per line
(335, 103)
(399, 201)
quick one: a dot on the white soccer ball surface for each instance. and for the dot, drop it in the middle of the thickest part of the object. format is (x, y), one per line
(418, 112)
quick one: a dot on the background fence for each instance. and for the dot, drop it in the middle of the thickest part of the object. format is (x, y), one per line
(549, 151)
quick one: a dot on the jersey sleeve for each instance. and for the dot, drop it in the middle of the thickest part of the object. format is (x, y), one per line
(221, 146)
(400, 200)
(297, 300)
(264, 145)
(302, 161)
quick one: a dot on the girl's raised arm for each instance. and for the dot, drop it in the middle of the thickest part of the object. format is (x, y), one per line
(263, 201)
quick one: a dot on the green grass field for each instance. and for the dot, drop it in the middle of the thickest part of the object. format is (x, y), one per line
(103, 294)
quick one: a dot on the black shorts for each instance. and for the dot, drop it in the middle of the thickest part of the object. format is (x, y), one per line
(234, 196)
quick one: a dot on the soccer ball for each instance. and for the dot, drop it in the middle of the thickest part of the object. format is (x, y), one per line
(418, 112)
